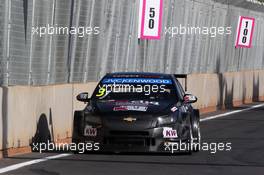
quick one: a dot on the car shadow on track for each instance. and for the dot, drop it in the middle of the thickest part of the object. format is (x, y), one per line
(161, 162)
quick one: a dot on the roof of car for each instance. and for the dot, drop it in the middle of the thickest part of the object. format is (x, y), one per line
(161, 75)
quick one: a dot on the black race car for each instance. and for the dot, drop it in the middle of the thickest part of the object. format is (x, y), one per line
(138, 112)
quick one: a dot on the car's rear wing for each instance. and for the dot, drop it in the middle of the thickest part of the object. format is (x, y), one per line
(182, 78)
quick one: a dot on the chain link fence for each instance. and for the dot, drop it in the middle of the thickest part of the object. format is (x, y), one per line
(28, 59)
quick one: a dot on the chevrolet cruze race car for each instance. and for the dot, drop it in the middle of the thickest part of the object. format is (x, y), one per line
(138, 112)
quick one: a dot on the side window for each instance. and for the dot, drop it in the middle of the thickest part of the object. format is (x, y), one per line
(178, 84)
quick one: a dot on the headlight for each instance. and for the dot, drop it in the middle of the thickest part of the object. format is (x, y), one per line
(165, 120)
(93, 120)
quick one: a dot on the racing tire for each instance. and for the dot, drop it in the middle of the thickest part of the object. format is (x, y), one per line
(196, 132)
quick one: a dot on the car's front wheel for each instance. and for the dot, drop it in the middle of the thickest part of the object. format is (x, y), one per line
(196, 132)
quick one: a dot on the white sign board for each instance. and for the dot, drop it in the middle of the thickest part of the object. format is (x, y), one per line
(150, 19)
(245, 31)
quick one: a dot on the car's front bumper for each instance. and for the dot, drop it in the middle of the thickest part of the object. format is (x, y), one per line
(150, 140)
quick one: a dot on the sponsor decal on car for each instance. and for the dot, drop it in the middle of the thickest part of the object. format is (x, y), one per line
(173, 109)
(90, 131)
(131, 108)
(169, 133)
(136, 80)
(138, 102)
(120, 108)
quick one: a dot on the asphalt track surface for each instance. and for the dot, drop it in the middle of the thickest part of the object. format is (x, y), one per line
(245, 130)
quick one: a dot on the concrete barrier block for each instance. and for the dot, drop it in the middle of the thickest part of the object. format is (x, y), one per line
(238, 87)
(231, 89)
(248, 83)
(44, 117)
(21, 115)
(62, 111)
(205, 87)
(37, 113)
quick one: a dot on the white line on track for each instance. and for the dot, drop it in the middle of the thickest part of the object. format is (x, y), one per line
(20, 165)
(232, 112)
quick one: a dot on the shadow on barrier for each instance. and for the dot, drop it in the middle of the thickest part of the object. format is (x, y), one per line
(225, 96)
(227, 89)
(229, 96)
(42, 134)
(256, 88)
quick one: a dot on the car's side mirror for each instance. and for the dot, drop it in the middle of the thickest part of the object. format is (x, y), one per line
(189, 98)
(83, 97)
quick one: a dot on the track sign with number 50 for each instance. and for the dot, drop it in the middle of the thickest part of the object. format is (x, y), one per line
(150, 19)
(245, 31)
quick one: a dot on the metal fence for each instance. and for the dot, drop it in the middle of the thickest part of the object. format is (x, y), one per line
(28, 59)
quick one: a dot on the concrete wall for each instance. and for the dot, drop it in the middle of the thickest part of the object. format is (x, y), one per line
(27, 104)
(51, 106)
(28, 111)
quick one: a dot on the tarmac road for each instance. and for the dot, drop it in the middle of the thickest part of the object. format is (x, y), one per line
(244, 130)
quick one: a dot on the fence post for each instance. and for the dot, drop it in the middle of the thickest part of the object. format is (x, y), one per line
(7, 29)
(31, 44)
(88, 45)
(50, 42)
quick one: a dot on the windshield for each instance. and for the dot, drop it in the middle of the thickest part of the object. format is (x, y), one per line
(135, 94)
(135, 89)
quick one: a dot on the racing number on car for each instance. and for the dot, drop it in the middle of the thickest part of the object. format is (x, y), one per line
(150, 19)
(245, 32)
(101, 92)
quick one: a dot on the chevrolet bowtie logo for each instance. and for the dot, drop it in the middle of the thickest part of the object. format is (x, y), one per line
(129, 119)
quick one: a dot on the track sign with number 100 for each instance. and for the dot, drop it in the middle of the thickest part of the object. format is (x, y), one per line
(150, 19)
(245, 31)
